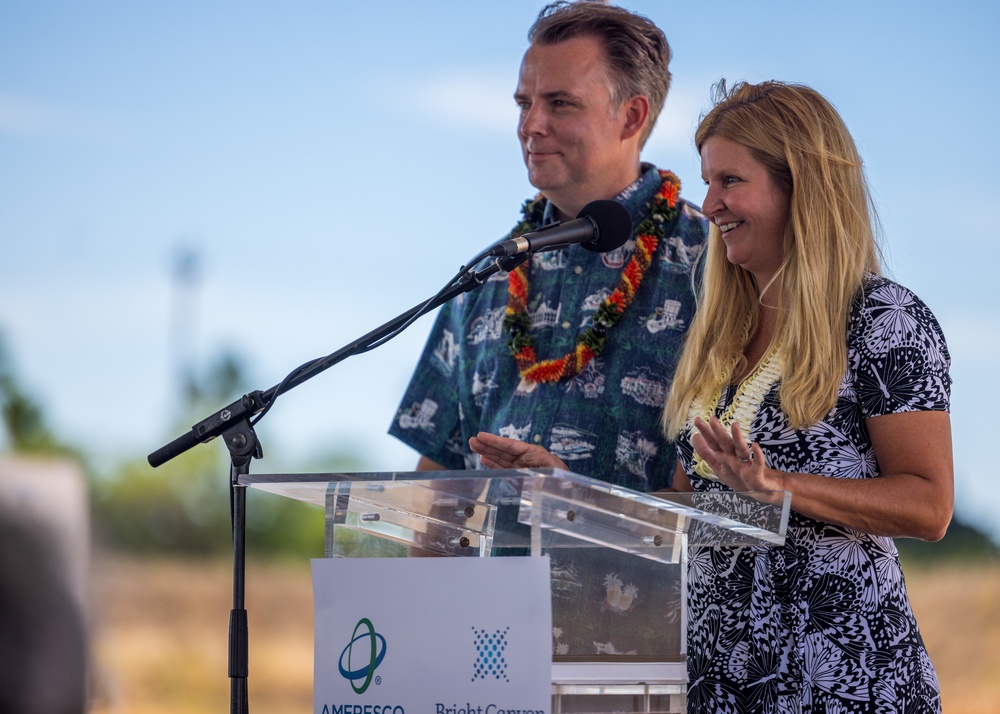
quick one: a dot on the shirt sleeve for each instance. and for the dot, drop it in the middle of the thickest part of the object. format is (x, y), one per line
(898, 353)
(429, 416)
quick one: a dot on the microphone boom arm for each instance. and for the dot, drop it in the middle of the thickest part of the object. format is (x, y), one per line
(257, 401)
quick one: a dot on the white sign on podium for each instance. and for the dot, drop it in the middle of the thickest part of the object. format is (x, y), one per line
(432, 635)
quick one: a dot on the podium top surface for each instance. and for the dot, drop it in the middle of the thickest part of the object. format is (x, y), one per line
(723, 518)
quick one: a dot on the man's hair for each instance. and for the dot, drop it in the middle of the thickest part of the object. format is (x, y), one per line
(636, 50)
(830, 245)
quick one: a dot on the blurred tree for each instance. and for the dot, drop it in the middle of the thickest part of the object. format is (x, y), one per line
(962, 542)
(24, 423)
(224, 381)
(183, 506)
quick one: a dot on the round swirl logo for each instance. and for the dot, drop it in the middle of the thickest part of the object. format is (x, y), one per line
(372, 651)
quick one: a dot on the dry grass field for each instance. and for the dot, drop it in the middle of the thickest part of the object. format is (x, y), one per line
(161, 635)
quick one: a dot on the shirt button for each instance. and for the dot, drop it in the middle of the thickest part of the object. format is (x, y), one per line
(565, 325)
(578, 269)
(537, 438)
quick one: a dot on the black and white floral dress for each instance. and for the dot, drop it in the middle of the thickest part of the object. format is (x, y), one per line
(823, 623)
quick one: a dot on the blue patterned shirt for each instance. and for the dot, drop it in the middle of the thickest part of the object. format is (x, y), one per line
(605, 421)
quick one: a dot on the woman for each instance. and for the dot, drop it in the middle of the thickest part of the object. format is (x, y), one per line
(804, 371)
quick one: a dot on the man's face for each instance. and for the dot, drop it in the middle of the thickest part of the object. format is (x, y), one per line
(571, 137)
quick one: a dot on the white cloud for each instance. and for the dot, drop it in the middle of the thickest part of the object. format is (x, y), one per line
(483, 100)
(674, 132)
(475, 100)
(26, 117)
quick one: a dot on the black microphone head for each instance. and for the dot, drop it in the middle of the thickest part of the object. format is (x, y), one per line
(613, 222)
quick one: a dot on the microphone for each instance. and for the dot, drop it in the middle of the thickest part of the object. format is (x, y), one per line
(601, 226)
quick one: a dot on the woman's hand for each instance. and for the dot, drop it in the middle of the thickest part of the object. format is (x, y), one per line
(737, 464)
(913, 496)
(499, 452)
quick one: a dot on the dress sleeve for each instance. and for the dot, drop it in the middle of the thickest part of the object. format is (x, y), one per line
(897, 353)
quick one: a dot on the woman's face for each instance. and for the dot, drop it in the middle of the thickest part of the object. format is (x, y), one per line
(746, 205)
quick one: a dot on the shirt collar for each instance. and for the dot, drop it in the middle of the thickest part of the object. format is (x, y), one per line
(635, 197)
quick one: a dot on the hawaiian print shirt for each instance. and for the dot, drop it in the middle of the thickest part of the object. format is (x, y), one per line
(604, 422)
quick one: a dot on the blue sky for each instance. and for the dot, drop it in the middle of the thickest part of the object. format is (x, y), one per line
(333, 164)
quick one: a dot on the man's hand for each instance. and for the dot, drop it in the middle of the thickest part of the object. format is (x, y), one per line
(499, 452)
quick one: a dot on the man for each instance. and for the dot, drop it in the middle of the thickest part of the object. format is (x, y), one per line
(575, 350)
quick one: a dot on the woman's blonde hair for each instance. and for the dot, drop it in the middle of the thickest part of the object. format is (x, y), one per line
(829, 247)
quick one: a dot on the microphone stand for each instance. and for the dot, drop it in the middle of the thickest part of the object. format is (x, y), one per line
(233, 423)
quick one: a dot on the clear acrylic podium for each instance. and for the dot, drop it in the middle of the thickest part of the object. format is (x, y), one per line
(618, 558)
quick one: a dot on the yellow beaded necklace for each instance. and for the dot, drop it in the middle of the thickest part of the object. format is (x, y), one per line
(746, 402)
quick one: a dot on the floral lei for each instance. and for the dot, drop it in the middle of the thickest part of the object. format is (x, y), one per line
(590, 344)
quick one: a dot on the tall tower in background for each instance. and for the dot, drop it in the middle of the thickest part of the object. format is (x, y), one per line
(185, 288)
